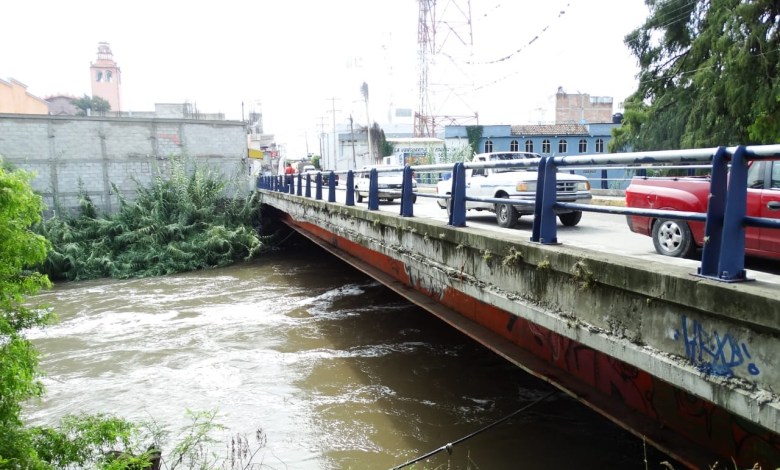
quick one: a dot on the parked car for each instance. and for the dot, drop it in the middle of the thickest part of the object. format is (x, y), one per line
(389, 183)
(681, 238)
(515, 183)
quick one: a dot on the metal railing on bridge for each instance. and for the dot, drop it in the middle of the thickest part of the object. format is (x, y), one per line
(723, 254)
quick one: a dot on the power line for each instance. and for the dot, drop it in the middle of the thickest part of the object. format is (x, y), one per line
(448, 446)
(517, 51)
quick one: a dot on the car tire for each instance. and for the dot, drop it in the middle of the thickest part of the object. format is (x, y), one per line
(506, 215)
(570, 219)
(358, 197)
(448, 206)
(673, 238)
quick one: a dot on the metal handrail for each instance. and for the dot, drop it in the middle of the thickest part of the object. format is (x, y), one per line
(723, 254)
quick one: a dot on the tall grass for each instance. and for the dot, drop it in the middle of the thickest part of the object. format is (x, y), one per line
(182, 221)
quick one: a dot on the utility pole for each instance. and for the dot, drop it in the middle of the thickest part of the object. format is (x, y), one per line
(364, 91)
(352, 132)
(322, 140)
(335, 136)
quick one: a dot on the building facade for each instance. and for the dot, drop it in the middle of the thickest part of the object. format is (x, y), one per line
(14, 98)
(548, 140)
(581, 108)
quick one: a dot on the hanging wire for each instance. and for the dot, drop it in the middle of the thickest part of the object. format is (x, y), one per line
(449, 445)
(512, 54)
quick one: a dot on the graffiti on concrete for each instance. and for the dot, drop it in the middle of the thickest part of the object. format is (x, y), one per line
(713, 352)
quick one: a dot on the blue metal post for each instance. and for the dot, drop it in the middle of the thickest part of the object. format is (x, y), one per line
(548, 234)
(332, 187)
(407, 196)
(300, 179)
(732, 251)
(373, 190)
(536, 227)
(307, 192)
(318, 187)
(291, 184)
(716, 206)
(457, 217)
(350, 188)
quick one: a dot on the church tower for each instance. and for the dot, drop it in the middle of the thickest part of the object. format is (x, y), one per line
(106, 77)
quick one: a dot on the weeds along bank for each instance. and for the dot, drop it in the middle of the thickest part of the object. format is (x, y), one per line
(193, 218)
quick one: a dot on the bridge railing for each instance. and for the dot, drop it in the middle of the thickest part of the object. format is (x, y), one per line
(722, 256)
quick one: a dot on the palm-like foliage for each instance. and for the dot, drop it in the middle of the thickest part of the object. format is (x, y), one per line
(178, 223)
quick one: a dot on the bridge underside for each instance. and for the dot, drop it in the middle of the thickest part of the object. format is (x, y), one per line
(599, 329)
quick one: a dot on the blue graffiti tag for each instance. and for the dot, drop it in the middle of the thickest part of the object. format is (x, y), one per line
(712, 353)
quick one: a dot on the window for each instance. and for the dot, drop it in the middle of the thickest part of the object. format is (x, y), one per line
(775, 183)
(755, 177)
(529, 145)
(488, 146)
(583, 146)
(546, 146)
(599, 145)
(563, 146)
(514, 146)
(108, 76)
(99, 76)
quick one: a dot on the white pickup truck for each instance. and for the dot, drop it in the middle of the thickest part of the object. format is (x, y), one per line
(515, 183)
(389, 183)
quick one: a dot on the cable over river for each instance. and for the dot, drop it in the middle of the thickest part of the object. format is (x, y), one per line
(337, 371)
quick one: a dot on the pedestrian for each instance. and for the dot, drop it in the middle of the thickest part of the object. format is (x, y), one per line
(289, 171)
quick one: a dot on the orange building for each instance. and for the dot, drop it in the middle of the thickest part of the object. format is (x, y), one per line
(15, 99)
(106, 78)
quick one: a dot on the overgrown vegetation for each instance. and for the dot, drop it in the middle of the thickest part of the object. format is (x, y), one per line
(20, 251)
(181, 222)
(474, 135)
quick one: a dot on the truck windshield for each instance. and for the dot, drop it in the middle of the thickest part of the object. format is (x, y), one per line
(504, 157)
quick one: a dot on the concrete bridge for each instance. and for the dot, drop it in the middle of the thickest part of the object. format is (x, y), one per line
(685, 361)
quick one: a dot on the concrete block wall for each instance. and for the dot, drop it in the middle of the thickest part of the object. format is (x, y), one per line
(100, 153)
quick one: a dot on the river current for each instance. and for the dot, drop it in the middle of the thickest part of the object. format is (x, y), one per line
(336, 370)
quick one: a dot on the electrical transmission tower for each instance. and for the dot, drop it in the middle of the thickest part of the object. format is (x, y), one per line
(454, 19)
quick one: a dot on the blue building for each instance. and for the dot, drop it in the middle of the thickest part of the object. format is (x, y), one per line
(544, 139)
(549, 140)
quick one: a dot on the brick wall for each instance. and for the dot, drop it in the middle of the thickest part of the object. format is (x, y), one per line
(98, 153)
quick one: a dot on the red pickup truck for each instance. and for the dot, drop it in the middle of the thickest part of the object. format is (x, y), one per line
(681, 238)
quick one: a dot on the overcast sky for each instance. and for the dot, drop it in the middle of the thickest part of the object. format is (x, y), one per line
(301, 62)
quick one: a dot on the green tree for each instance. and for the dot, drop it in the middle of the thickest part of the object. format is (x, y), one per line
(708, 76)
(20, 251)
(93, 105)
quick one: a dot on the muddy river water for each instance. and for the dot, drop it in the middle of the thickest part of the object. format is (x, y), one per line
(336, 370)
